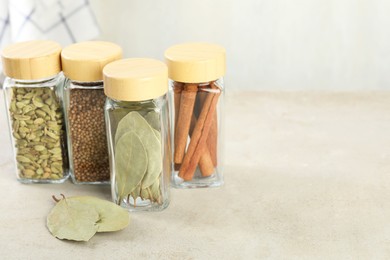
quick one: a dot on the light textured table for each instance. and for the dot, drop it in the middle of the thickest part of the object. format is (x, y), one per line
(307, 176)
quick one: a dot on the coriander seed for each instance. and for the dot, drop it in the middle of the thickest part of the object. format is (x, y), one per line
(84, 99)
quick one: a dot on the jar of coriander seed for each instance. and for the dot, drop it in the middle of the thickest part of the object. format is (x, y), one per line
(32, 91)
(196, 73)
(82, 65)
(137, 122)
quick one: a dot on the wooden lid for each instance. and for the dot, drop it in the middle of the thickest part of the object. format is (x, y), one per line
(135, 79)
(85, 61)
(195, 62)
(31, 60)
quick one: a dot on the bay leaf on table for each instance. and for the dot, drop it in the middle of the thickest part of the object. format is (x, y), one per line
(136, 123)
(131, 162)
(111, 216)
(73, 220)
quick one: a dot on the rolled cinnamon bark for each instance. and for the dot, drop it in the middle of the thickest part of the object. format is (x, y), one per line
(205, 163)
(199, 136)
(187, 101)
(177, 89)
(212, 139)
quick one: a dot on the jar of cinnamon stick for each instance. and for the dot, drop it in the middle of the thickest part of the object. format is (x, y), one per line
(196, 73)
(137, 122)
(82, 64)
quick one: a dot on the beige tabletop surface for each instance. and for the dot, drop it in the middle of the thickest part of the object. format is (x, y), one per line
(307, 176)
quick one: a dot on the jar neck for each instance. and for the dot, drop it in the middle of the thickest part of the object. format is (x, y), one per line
(218, 82)
(35, 81)
(150, 103)
(85, 84)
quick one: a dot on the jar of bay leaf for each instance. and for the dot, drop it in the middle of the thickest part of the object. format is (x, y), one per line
(82, 64)
(33, 102)
(136, 114)
(196, 73)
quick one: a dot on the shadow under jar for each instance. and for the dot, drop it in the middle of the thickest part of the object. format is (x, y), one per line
(84, 100)
(137, 121)
(33, 104)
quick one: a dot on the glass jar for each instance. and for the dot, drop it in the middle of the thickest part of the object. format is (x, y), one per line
(137, 122)
(82, 64)
(33, 102)
(196, 73)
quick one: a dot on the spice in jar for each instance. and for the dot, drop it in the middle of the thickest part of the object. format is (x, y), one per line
(137, 124)
(84, 105)
(196, 71)
(37, 127)
(88, 135)
(197, 119)
(34, 109)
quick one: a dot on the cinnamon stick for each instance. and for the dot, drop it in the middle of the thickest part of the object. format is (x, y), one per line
(187, 101)
(205, 163)
(212, 139)
(199, 136)
(177, 89)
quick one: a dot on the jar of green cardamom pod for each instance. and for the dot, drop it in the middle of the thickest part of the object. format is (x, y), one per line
(137, 124)
(82, 65)
(32, 91)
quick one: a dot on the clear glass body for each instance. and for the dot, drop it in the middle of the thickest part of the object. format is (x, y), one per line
(36, 123)
(138, 138)
(197, 134)
(86, 132)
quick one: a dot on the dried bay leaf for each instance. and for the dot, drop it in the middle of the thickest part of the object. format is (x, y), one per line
(79, 218)
(73, 220)
(115, 116)
(130, 163)
(152, 192)
(134, 122)
(155, 190)
(152, 177)
(153, 118)
(157, 134)
(111, 216)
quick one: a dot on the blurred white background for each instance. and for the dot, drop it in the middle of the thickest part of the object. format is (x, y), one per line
(271, 44)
